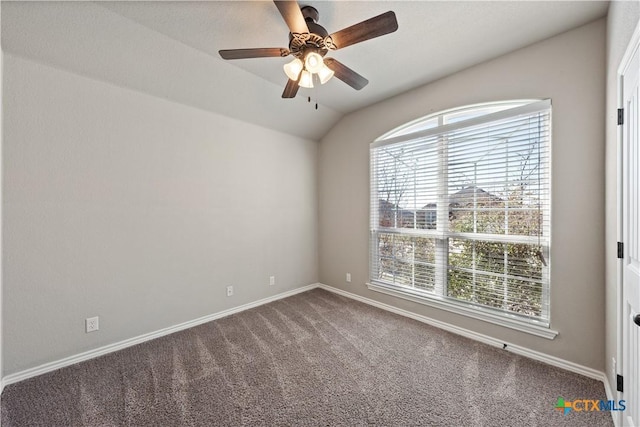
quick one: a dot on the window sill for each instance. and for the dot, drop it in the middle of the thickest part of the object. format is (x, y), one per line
(451, 306)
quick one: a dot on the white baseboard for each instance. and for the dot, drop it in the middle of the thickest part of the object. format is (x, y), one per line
(67, 361)
(523, 351)
(611, 395)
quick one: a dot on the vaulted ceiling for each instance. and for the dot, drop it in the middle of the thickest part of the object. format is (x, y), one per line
(170, 49)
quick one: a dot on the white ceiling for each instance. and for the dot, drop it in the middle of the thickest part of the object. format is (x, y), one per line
(169, 49)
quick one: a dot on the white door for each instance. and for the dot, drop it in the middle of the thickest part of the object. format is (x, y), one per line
(631, 239)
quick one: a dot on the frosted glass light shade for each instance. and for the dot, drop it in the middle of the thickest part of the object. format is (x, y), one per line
(293, 68)
(306, 80)
(325, 74)
(313, 62)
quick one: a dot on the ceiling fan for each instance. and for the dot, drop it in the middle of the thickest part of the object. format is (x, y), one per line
(310, 42)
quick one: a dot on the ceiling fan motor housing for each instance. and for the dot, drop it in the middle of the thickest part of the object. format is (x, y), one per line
(316, 40)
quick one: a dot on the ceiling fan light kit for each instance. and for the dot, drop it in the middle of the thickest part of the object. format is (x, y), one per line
(313, 64)
(306, 80)
(310, 42)
(325, 74)
(292, 69)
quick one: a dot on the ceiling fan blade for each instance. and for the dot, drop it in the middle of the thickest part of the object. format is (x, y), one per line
(290, 11)
(262, 52)
(365, 30)
(291, 89)
(346, 74)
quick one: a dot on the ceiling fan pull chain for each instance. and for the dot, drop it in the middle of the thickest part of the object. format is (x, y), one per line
(315, 90)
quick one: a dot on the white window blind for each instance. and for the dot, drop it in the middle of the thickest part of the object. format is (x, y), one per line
(461, 211)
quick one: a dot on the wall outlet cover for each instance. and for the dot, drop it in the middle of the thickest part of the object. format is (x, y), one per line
(92, 324)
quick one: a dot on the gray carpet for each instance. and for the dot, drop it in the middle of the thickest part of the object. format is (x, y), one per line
(313, 359)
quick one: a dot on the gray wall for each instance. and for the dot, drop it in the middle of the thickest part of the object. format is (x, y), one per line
(621, 22)
(569, 69)
(139, 210)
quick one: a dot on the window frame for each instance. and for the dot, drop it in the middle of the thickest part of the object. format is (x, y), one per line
(499, 110)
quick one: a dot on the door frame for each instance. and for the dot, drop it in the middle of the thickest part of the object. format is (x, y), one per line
(632, 46)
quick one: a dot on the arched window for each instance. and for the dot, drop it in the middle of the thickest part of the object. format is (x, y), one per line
(460, 212)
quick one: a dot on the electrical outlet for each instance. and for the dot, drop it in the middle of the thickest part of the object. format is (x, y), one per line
(229, 290)
(91, 324)
(348, 277)
(272, 280)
